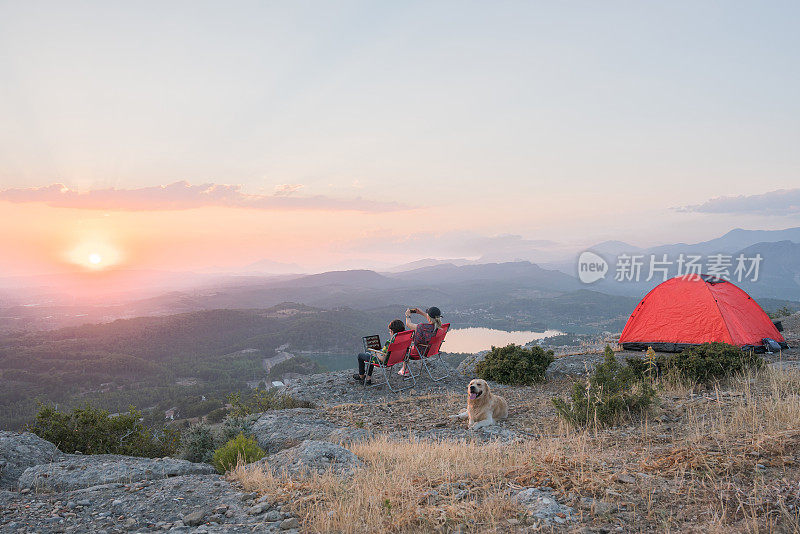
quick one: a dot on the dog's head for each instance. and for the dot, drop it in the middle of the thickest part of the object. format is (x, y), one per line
(477, 390)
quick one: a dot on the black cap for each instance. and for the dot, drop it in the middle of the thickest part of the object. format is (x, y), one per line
(433, 311)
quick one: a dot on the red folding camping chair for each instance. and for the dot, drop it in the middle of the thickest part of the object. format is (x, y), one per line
(423, 352)
(398, 353)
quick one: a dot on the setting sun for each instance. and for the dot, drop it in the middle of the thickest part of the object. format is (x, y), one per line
(94, 254)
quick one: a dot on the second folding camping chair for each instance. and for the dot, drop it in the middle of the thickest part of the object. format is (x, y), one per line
(397, 353)
(424, 352)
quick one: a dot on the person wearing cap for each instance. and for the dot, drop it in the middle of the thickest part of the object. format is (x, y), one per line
(423, 332)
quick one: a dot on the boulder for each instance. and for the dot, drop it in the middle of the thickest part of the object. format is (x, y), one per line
(313, 456)
(21, 450)
(541, 504)
(281, 429)
(573, 365)
(79, 471)
(467, 365)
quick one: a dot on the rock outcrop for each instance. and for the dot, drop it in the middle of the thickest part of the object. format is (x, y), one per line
(79, 471)
(467, 365)
(572, 365)
(313, 457)
(188, 503)
(541, 504)
(283, 429)
(21, 450)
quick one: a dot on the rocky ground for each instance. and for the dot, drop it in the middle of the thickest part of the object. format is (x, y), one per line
(110, 493)
(43, 489)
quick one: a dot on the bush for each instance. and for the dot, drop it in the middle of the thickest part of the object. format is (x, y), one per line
(610, 393)
(238, 450)
(235, 425)
(702, 364)
(515, 365)
(197, 444)
(91, 430)
(261, 400)
(216, 416)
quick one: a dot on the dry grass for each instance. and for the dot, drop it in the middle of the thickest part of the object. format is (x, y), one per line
(409, 485)
(724, 461)
(735, 461)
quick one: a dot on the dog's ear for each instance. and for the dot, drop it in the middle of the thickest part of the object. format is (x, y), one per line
(486, 384)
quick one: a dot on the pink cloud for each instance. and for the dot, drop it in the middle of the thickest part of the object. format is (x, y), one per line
(284, 190)
(182, 195)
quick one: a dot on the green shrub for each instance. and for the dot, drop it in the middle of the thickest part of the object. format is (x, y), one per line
(197, 444)
(235, 425)
(261, 400)
(609, 394)
(238, 450)
(515, 365)
(702, 364)
(91, 430)
(216, 416)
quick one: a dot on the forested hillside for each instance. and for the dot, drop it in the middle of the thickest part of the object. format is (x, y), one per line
(163, 361)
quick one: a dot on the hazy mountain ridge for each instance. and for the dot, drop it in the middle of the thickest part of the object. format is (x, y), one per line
(452, 286)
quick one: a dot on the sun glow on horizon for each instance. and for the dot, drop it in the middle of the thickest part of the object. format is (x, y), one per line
(94, 255)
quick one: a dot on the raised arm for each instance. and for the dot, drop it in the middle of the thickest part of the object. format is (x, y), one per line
(409, 324)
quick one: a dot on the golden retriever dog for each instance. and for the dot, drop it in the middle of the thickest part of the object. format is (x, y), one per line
(483, 408)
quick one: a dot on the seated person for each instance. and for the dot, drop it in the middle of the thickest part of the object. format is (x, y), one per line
(423, 332)
(395, 327)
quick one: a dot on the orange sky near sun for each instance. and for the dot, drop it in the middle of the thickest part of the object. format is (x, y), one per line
(38, 238)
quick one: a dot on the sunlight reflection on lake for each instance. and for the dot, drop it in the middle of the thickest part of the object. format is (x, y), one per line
(478, 339)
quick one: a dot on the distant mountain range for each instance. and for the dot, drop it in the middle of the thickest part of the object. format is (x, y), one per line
(474, 293)
(779, 275)
(778, 248)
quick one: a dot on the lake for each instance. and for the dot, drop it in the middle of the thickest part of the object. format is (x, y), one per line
(478, 339)
(457, 340)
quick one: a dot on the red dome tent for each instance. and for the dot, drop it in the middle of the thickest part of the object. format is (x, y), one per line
(689, 310)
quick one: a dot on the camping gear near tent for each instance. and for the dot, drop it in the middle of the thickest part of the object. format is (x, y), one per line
(690, 310)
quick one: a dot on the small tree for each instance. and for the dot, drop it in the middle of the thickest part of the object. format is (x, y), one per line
(652, 366)
(91, 430)
(608, 394)
(197, 444)
(239, 450)
(515, 365)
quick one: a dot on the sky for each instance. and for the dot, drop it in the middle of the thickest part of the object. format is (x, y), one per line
(213, 135)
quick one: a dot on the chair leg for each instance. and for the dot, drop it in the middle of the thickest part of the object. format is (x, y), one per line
(386, 374)
(407, 365)
(370, 366)
(427, 368)
(412, 384)
(374, 383)
(411, 371)
(410, 377)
